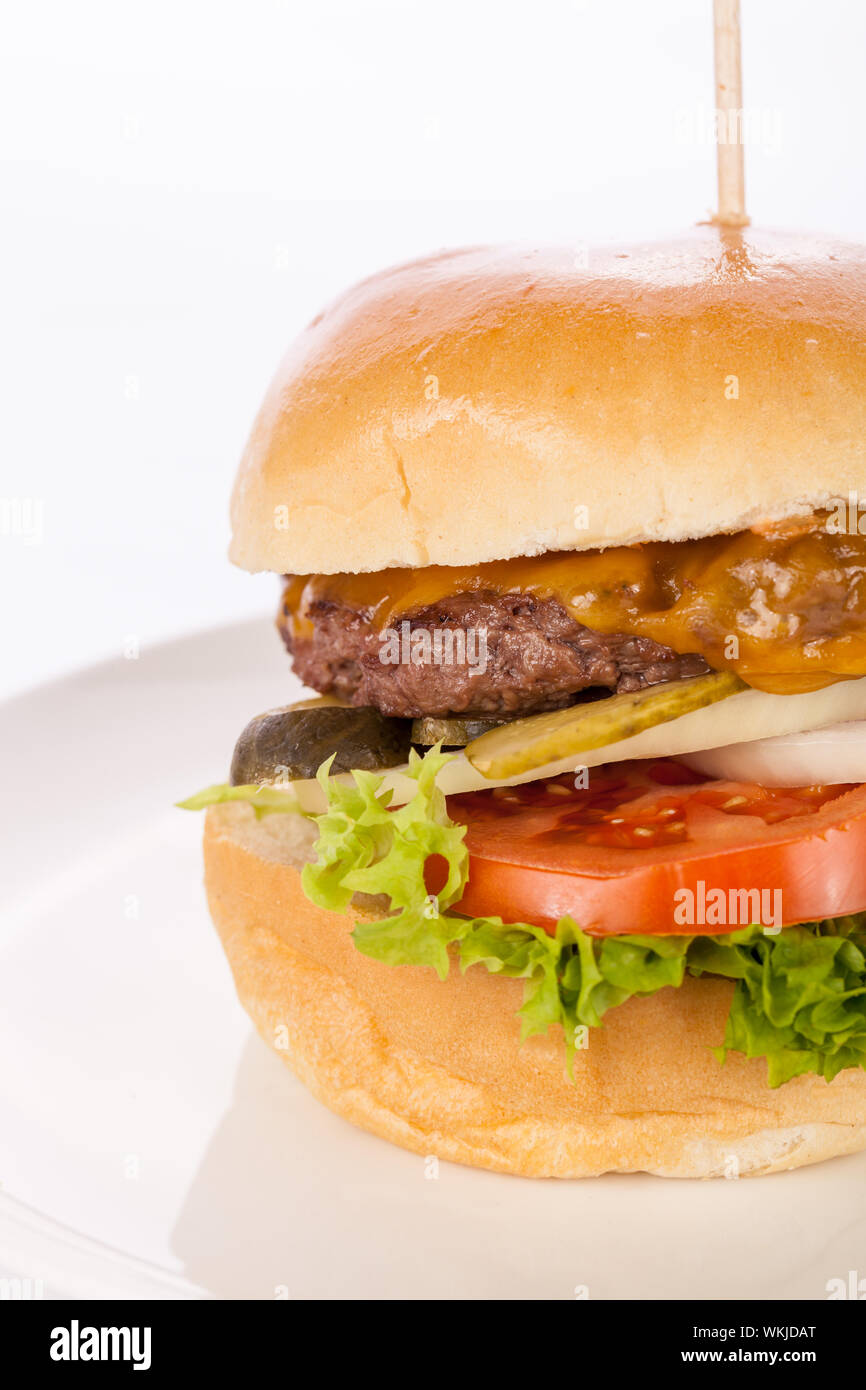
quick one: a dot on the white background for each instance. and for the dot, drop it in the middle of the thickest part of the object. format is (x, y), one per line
(184, 184)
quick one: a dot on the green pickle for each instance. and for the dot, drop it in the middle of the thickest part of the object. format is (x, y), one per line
(451, 732)
(290, 743)
(525, 744)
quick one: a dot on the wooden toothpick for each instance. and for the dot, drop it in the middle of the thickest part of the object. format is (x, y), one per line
(729, 115)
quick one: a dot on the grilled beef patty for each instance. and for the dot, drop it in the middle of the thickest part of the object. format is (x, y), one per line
(523, 655)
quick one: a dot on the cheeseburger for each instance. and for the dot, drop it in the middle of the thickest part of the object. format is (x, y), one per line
(560, 866)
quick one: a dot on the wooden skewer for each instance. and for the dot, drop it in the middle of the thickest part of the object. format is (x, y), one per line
(729, 128)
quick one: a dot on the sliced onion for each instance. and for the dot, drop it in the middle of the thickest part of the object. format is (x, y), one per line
(821, 757)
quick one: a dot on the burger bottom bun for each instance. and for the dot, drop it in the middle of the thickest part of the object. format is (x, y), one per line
(438, 1067)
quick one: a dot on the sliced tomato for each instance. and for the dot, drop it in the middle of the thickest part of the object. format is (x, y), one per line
(624, 853)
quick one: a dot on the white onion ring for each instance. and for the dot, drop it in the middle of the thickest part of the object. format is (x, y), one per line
(820, 757)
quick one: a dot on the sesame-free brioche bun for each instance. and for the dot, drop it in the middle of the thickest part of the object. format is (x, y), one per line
(493, 402)
(439, 1069)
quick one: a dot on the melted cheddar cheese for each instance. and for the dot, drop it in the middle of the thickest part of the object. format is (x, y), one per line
(784, 607)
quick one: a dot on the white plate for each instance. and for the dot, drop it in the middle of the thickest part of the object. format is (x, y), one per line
(152, 1146)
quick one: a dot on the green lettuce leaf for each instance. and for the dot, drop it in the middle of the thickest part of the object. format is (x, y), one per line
(799, 994)
(365, 848)
(264, 799)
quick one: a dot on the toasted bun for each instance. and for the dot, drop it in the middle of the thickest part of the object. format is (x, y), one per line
(464, 408)
(439, 1069)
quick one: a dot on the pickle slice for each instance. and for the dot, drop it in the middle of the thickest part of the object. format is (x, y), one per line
(453, 732)
(525, 744)
(290, 743)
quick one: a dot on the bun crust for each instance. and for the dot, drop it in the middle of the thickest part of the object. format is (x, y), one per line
(438, 1068)
(468, 406)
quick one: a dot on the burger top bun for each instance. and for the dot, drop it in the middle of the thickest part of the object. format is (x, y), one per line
(495, 402)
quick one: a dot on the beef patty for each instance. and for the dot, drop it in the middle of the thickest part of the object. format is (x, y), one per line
(523, 654)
